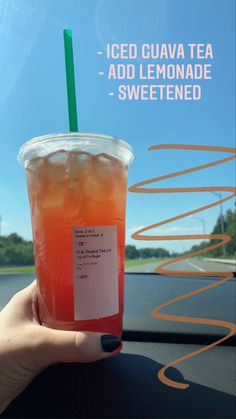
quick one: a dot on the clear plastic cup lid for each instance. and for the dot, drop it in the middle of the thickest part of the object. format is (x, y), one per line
(73, 141)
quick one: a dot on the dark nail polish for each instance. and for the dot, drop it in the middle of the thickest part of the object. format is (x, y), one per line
(110, 342)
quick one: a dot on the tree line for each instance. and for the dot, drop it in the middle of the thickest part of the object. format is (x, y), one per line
(228, 251)
(131, 252)
(15, 251)
(229, 227)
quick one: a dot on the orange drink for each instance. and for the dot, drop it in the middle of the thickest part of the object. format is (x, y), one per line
(77, 186)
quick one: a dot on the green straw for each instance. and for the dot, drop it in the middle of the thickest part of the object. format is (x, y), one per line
(70, 80)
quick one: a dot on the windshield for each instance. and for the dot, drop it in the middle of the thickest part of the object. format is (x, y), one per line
(207, 237)
(135, 80)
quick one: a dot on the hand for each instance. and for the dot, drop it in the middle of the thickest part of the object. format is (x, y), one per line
(27, 347)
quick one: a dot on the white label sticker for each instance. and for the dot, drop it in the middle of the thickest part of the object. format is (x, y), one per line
(95, 272)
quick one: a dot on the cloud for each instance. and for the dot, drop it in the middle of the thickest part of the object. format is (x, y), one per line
(133, 229)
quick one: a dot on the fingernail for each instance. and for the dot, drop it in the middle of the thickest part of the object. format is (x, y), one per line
(110, 342)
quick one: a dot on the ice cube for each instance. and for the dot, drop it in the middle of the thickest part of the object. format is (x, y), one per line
(83, 159)
(105, 165)
(36, 175)
(54, 197)
(59, 158)
(74, 185)
(83, 163)
(79, 165)
(97, 189)
(36, 166)
(36, 171)
(58, 166)
(73, 202)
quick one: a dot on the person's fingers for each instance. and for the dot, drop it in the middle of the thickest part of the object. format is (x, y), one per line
(29, 298)
(26, 295)
(27, 291)
(68, 346)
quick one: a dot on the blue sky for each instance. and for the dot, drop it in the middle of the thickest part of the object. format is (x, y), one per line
(33, 98)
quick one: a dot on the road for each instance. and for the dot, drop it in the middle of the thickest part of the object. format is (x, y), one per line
(189, 265)
(12, 283)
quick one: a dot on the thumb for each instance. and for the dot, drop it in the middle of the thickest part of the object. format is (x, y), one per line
(68, 346)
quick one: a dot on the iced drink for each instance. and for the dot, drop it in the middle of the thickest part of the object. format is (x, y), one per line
(77, 186)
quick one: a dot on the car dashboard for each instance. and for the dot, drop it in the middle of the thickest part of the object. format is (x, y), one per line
(128, 385)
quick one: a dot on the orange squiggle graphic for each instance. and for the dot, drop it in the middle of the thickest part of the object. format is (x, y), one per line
(223, 238)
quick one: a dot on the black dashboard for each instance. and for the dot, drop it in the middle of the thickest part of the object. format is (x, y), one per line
(127, 386)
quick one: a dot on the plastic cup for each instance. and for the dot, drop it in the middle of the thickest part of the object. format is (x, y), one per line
(77, 184)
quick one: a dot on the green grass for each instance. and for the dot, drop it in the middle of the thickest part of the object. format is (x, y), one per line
(18, 270)
(137, 262)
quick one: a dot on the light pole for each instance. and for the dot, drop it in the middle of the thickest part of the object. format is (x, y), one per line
(219, 195)
(203, 224)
